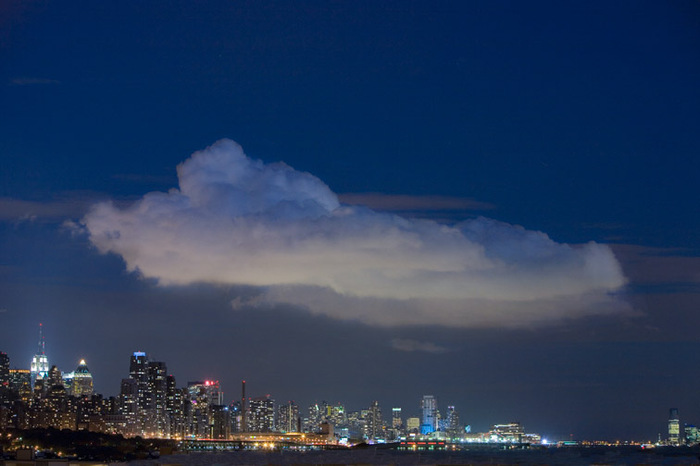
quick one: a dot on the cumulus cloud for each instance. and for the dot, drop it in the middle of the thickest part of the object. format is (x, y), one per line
(237, 220)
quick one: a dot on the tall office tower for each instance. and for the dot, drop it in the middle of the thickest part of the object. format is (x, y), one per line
(4, 369)
(138, 372)
(674, 427)
(39, 367)
(242, 425)
(374, 423)
(129, 405)
(151, 386)
(452, 422)
(175, 400)
(396, 421)
(261, 414)
(429, 416)
(81, 384)
(157, 397)
(429, 420)
(288, 417)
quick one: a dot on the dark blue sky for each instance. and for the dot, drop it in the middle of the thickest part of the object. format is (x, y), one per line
(578, 119)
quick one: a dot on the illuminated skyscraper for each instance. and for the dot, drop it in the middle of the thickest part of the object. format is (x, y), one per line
(39, 367)
(128, 405)
(430, 418)
(177, 405)
(242, 427)
(138, 372)
(81, 381)
(452, 422)
(674, 427)
(157, 397)
(373, 422)
(4, 369)
(150, 384)
(288, 417)
(261, 414)
(396, 421)
(313, 419)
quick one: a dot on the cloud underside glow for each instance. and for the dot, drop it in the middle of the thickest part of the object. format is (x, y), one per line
(236, 220)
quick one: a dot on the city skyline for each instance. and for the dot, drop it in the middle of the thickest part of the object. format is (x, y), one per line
(494, 202)
(419, 411)
(151, 405)
(426, 413)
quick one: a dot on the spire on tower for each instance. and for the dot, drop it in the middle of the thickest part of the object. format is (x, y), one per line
(42, 342)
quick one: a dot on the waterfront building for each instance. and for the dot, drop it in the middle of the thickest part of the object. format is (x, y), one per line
(510, 433)
(692, 436)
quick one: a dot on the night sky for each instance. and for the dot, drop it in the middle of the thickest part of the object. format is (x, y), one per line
(492, 202)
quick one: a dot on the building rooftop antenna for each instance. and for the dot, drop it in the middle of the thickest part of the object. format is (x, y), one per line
(42, 342)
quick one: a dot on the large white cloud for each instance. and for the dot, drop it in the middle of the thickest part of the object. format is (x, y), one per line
(236, 220)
